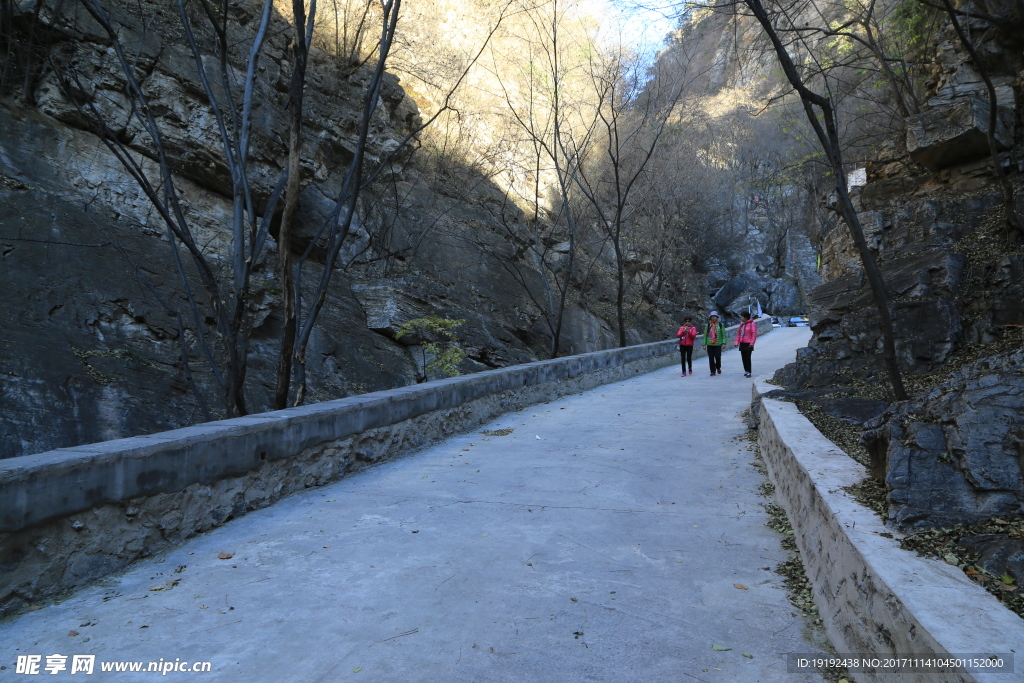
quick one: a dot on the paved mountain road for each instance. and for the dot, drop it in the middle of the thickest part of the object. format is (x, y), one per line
(601, 540)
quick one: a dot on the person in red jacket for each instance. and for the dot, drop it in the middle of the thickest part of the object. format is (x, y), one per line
(745, 338)
(687, 334)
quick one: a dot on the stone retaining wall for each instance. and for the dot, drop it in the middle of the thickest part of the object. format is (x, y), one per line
(873, 597)
(73, 515)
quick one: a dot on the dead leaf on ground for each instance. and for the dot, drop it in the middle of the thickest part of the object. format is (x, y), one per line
(720, 648)
(740, 586)
(225, 556)
(72, 634)
(748, 655)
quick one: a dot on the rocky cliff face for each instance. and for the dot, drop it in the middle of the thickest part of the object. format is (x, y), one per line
(90, 348)
(933, 215)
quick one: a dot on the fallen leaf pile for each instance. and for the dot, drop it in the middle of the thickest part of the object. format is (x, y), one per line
(942, 544)
(871, 494)
(498, 432)
(798, 586)
(778, 521)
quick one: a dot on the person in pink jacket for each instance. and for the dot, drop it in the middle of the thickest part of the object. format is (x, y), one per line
(745, 338)
(687, 334)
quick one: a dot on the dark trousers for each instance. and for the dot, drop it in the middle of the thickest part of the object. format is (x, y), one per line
(686, 356)
(715, 358)
(745, 351)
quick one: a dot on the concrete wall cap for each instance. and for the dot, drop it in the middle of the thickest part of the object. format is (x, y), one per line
(922, 604)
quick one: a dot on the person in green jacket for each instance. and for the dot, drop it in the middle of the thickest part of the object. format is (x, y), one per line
(714, 341)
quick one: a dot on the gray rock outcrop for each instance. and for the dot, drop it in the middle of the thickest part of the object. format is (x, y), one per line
(955, 131)
(933, 216)
(955, 455)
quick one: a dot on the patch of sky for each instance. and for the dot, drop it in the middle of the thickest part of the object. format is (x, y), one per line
(641, 25)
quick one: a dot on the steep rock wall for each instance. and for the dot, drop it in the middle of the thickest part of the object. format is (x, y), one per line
(933, 215)
(90, 350)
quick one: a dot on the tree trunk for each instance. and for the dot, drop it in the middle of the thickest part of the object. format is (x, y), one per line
(291, 202)
(620, 288)
(828, 137)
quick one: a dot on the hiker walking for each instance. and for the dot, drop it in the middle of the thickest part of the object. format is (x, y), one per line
(687, 335)
(745, 338)
(714, 340)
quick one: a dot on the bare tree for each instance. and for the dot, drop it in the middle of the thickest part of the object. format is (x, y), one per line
(821, 116)
(865, 25)
(302, 25)
(556, 129)
(231, 106)
(633, 116)
(334, 231)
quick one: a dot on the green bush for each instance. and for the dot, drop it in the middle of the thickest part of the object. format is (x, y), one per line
(438, 340)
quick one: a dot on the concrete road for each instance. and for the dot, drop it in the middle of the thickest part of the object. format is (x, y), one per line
(615, 535)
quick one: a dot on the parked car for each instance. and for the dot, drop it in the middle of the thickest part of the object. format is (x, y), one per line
(776, 321)
(799, 321)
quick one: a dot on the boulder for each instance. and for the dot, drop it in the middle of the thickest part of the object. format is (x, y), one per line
(954, 456)
(388, 305)
(784, 298)
(955, 131)
(729, 291)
